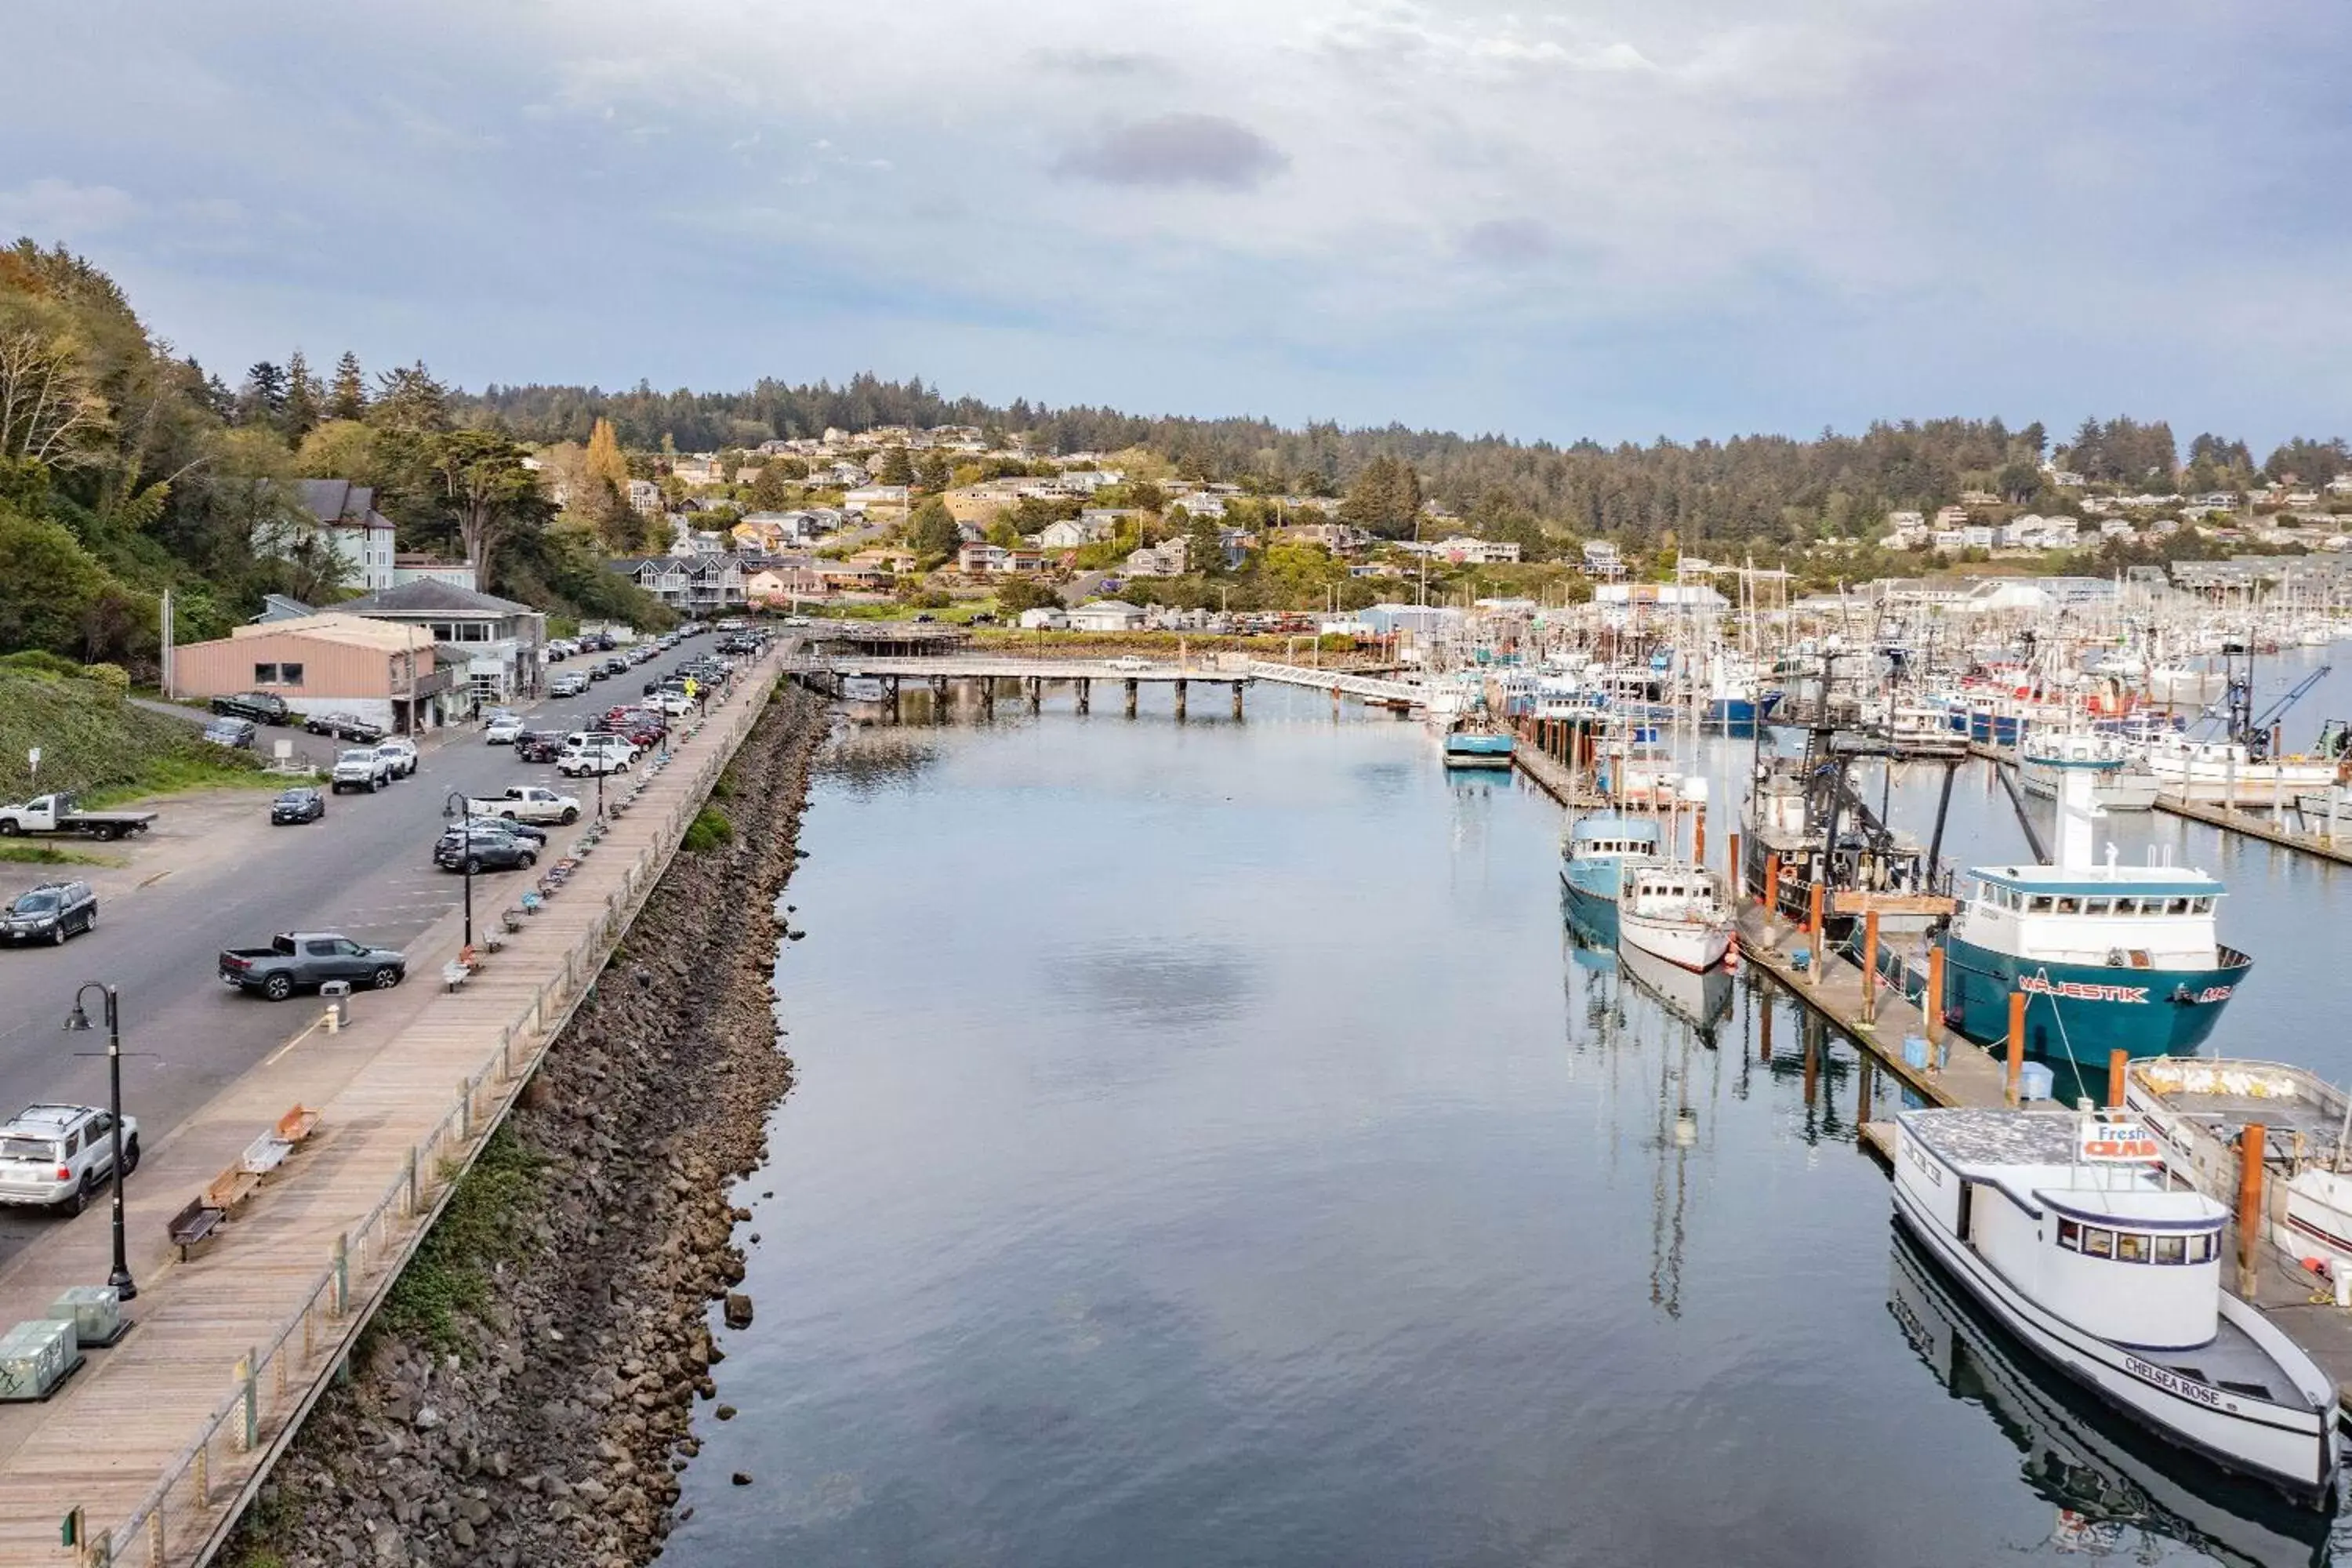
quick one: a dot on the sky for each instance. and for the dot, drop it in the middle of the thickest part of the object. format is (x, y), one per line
(1617, 218)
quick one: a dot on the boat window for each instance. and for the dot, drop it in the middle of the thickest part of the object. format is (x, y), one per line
(2096, 906)
(2069, 907)
(2172, 1249)
(2098, 1243)
(2201, 905)
(2070, 1236)
(2175, 906)
(2131, 1247)
(2126, 906)
(2040, 905)
(2201, 1246)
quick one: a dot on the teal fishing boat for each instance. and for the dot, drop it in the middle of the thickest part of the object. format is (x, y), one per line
(1478, 748)
(1592, 864)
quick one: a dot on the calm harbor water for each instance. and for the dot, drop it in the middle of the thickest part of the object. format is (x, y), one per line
(1211, 1147)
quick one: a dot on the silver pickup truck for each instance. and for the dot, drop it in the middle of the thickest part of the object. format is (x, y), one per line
(305, 960)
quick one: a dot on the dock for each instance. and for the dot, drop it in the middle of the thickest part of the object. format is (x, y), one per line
(2276, 832)
(893, 670)
(1555, 778)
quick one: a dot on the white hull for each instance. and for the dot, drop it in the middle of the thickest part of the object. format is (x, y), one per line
(2186, 686)
(2117, 791)
(2293, 1448)
(1696, 944)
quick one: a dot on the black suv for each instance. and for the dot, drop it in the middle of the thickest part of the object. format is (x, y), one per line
(488, 851)
(50, 912)
(261, 706)
(344, 726)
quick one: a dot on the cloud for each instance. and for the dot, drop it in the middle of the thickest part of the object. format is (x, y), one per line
(1100, 62)
(1177, 150)
(1510, 241)
(60, 208)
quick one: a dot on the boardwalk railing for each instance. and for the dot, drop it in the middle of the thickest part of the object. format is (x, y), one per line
(1371, 688)
(273, 1384)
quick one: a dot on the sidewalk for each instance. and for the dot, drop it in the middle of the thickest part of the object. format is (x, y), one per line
(156, 1438)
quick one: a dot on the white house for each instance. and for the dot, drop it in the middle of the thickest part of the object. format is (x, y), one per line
(341, 516)
(1107, 615)
(1044, 619)
(644, 497)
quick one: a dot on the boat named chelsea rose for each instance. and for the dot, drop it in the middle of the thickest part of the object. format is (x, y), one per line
(1594, 863)
(2066, 1228)
(1675, 911)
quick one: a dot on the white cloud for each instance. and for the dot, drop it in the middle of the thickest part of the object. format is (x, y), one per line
(59, 209)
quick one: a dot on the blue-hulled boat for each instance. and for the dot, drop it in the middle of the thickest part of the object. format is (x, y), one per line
(1592, 864)
(1478, 748)
(2108, 957)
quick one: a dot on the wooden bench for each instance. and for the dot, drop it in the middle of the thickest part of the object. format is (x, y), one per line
(297, 1125)
(229, 1190)
(493, 940)
(512, 919)
(195, 1224)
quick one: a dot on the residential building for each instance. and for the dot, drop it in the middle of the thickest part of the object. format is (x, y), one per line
(1601, 560)
(332, 662)
(1166, 559)
(865, 498)
(495, 642)
(974, 559)
(1044, 619)
(663, 576)
(340, 519)
(417, 568)
(644, 497)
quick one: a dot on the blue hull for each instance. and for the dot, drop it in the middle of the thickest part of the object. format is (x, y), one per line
(2082, 1012)
(1477, 750)
(1591, 887)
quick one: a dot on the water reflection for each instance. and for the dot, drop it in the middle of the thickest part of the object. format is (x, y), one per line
(2117, 1490)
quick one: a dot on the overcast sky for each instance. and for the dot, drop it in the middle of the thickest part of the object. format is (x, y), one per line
(1619, 219)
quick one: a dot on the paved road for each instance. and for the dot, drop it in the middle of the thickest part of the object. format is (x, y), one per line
(366, 871)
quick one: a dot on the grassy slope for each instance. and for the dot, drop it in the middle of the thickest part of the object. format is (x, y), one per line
(107, 751)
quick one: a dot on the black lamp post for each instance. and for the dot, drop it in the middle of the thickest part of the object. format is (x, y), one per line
(77, 1020)
(456, 806)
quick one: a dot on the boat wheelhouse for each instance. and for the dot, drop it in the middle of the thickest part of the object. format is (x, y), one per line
(2066, 1230)
(1478, 748)
(1593, 864)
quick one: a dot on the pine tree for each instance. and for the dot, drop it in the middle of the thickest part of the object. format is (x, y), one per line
(263, 399)
(304, 398)
(410, 399)
(347, 399)
(895, 469)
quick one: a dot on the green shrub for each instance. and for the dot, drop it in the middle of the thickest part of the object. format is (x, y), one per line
(110, 679)
(40, 662)
(707, 832)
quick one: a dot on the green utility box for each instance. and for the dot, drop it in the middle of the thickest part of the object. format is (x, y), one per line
(36, 1356)
(94, 1311)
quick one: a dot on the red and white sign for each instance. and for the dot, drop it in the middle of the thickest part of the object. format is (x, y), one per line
(2116, 1143)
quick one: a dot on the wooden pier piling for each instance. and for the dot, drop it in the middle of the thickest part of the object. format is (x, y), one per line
(1931, 1004)
(2251, 1142)
(2016, 1074)
(1180, 703)
(1731, 866)
(1813, 929)
(1130, 698)
(2116, 1062)
(1237, 700)
(1086, 695)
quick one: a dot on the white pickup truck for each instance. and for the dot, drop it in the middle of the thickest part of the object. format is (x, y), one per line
(528, 803)
(59, 814)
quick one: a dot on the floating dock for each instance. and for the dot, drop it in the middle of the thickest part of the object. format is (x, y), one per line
(2339, 850)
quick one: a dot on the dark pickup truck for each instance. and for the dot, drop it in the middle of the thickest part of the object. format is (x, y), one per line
(261, 706)
(304, 961)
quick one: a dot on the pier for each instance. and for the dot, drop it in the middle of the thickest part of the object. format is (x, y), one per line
(2276, 832)
(893, 670)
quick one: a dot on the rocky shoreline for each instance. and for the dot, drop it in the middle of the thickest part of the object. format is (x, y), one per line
(553, 1434)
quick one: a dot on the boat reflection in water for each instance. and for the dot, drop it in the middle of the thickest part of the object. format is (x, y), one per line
(1701, 999)
(2118, 1490)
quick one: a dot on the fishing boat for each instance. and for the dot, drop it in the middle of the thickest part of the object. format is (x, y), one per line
(1593, 864)
(2185, 685)
(2226, 772)
(2108, 957)
(2127, 786)
(2107, 1478)
(2200, 1108)
(1469, 748)
(1674, 911)
(2065, 1227)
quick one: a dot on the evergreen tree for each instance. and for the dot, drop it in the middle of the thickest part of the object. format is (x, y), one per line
(895, 468)
(304, 399)
(931, 530)
(262, 400)
(410, 399)
(347, 397)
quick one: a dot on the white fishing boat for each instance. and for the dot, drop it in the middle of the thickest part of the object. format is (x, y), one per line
(2185, 685)
(1700, 998)
(2128, 786)
(2066, 1228)
(2198, 1107)
(1677, 911)
(2223, 773)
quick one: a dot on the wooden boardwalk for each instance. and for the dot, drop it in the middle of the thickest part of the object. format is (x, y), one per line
(1555, 778)
(160, 1439)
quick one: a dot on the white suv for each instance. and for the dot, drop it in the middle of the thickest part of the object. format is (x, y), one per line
(55, 1156)
(361, 768)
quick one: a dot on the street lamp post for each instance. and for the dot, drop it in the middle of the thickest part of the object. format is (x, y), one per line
(455, 805)
(125, 1287)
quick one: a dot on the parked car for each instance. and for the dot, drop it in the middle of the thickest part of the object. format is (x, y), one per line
(600, 670)
(50, 912)
(261, 706)
(676, 704)
(304, 961)
(401, 754)
(528, 803)
(503, 731)
(539, 746)
(236, 732)
(596, 762)
(55, 1156)
(571, 683)
(345, 727)
(535, 836)
(480, 851)
(363, 767)
(301, 804)
(1128, 661)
